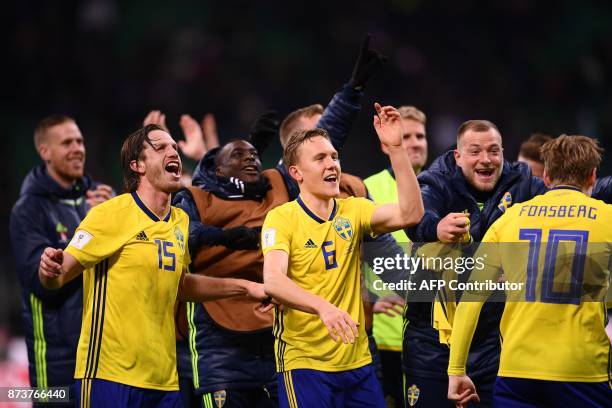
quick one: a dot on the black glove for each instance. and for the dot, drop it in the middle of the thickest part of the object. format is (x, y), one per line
(240, 238)
(368, 63)
(264, 130)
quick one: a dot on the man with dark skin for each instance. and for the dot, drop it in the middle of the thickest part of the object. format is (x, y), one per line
(229, 206)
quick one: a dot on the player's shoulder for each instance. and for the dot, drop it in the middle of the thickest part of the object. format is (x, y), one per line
(180, 214)
(114, 206)
(352, 201)
(287, 209)
(604, 210)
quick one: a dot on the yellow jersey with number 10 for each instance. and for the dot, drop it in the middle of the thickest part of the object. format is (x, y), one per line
(556, 331)
(324, 259)
(133, 264)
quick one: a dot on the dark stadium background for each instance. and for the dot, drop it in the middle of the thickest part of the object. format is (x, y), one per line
(527, 67)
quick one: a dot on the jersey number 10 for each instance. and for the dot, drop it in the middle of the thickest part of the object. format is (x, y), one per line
(555, 236)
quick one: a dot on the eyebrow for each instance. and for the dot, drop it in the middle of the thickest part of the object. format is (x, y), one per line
(158, 145)
(243, 149)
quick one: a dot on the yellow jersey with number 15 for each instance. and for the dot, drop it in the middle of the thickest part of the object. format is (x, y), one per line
(133, 262)
(324, 259)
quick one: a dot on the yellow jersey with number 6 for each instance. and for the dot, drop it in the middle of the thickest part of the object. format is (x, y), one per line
(324, 259)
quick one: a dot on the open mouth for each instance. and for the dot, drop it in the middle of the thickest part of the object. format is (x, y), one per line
(174, 168)
(485, 173)
(331, 179)
(250, 169)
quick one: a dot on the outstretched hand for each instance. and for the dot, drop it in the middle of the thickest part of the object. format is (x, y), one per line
(199, 139)
(388, 125)
(264, 130)
(461, 390)
(155, 117)
(50, 266)
(339, 324)
(390, 305)
(100, 194)
(368, 63)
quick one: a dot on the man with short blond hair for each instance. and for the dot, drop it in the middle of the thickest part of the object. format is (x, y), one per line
(54, 197)
(303, 118)
(555, 351)
(311, 265)
(464, 191)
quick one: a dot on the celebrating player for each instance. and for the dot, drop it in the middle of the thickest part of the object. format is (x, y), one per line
(133, 249)
(472, 181)
(555, 350)
(311, 265)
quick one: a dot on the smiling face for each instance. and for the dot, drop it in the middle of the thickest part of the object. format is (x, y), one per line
(63, 152)
(160, 163)
(239, 159)
(480, 156)
(317, 168)
(415, 142)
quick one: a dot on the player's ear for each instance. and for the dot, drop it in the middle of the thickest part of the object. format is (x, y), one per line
(295, 173)
(457, 155)
(384, 149)
(546, 178)
(593, 177)
(137, 167)
(44, 152)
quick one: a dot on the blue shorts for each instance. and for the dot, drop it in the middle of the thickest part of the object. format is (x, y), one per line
(527, 393)
(431, 392)
(313, 388)
(94, 393)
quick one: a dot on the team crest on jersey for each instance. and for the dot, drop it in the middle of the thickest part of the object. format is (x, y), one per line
(505, 202)
(178, 234)
(219, 398)
(343, 228)
(412, 395)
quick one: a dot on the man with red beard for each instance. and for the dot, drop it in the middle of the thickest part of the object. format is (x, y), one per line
(55, 196)
(464, 191)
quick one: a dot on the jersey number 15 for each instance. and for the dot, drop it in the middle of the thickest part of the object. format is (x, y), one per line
(166, 259)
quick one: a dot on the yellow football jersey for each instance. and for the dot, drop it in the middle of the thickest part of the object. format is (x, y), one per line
(555, 332)
(324, 259)
(133, 264)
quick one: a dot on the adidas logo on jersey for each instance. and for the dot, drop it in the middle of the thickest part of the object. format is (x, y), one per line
(142, 236)
(310, 244)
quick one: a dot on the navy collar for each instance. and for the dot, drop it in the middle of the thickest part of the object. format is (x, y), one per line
(566, 188)
(313, 215)
(144, 208)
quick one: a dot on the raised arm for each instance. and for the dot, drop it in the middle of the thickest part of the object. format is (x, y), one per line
(340, 113)
(276, 284)
(409, 208)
